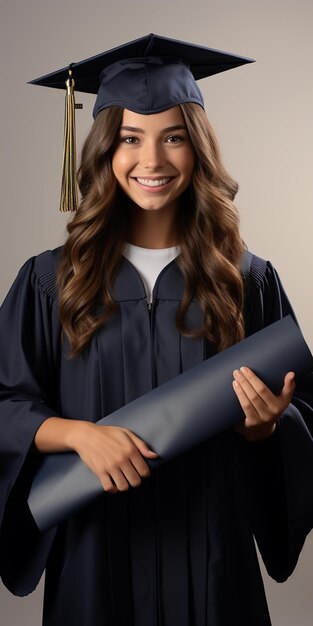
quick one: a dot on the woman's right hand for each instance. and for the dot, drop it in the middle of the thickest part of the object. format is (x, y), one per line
(115, 455)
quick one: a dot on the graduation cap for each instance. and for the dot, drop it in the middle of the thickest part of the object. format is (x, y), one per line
(147, 75)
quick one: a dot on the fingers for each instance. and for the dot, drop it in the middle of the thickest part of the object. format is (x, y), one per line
(256, 399)
(108, 484)
(136, 467)
(261, 407)
(126, 466)
(142, 446)
(120, 479)
(289, 387)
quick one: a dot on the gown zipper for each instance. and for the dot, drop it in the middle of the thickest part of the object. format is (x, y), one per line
(156, 612)
(150, 306)
(157, 617)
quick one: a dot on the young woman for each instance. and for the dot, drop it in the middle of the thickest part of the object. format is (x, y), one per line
(148, 284)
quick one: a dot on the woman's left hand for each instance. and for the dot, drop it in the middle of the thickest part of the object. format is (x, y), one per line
(261, 407)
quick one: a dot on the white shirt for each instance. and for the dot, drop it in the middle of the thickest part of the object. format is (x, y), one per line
(149, 262)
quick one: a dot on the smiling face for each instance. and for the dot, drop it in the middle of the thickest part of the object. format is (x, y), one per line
(154, 159)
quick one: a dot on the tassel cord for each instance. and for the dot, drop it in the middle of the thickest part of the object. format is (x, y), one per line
(69, 193)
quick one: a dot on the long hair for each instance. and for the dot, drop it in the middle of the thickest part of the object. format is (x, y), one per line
(210, 245)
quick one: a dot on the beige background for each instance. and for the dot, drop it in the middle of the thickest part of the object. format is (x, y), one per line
(263, 114)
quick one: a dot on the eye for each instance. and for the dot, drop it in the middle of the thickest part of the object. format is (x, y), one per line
(174, 139)
(129, 139)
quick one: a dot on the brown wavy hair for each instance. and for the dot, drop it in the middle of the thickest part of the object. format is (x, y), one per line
(208, 229)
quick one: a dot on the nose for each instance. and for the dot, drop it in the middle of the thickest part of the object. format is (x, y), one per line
(152, 155)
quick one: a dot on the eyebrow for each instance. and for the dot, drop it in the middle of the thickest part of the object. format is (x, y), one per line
(170, 129)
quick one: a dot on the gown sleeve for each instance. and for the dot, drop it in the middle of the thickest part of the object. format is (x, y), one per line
(28, 396)
(279, 470)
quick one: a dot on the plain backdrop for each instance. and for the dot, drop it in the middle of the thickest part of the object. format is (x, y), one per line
(263, 115)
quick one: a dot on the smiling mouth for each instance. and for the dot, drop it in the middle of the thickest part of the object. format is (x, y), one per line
(154, 182)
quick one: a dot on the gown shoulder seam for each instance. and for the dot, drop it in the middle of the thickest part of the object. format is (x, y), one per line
(254, 269)
(45, 271)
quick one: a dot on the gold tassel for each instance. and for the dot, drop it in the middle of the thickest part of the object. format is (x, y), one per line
(69, 193)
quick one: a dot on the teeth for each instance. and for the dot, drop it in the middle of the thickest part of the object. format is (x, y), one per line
(149, 182)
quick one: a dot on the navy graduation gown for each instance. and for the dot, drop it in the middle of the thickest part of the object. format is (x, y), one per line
(179, 549)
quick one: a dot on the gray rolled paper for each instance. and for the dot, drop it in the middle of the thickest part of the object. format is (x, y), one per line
(174, 417)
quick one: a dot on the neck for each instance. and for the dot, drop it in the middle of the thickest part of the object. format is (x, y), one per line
(153, 229)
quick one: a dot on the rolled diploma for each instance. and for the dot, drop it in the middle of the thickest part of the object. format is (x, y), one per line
(174, 417)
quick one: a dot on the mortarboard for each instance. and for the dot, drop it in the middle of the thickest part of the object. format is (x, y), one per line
(147, 75)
